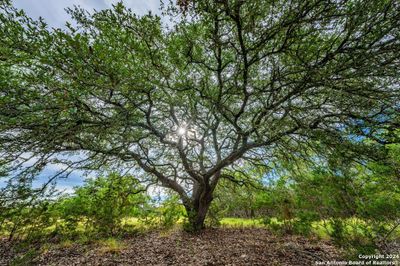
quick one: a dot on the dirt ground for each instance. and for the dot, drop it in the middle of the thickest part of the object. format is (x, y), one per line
(211, 247)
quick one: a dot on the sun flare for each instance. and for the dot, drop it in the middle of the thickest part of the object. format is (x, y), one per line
(181, 131)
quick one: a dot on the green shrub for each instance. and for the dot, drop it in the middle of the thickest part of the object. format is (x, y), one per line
(170, 211)
(99, 206)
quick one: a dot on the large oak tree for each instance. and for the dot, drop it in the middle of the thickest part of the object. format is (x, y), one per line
(226, 83)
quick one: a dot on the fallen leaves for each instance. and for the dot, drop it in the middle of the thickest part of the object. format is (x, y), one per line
(211, 247)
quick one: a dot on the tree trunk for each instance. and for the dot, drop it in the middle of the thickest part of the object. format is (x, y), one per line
(197, 211)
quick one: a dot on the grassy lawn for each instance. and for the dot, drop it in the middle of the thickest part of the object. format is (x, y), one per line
(241, 222)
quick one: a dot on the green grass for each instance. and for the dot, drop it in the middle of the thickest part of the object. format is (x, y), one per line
(320, 229)
(241, 222)
(111, 245)
(133, 221)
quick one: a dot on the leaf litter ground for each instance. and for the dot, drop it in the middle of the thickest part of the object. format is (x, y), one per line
(225, 246)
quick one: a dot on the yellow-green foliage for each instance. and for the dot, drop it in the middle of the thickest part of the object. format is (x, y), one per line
(241, 222)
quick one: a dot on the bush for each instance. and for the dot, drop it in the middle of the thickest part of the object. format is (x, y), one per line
(165, 215)
(100, 205)
(302, 225)
(214, 216)
(170, 211)
(25, 212)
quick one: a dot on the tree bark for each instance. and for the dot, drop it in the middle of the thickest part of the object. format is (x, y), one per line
(197, 210)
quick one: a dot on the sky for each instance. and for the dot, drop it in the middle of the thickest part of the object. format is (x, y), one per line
(53, 12)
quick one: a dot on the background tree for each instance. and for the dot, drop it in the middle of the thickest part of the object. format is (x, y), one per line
(231, 81)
